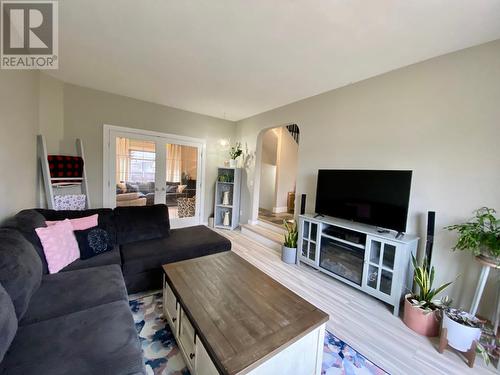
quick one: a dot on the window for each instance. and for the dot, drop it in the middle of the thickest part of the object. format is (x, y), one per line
(142, 165)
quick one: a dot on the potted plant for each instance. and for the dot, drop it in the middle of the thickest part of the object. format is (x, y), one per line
(462, 330)
(289, 248)
(421, 310)
(234, 154)
(481, 235)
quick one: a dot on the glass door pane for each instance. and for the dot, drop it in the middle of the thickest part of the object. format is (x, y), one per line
(182, 175)
(135, 172)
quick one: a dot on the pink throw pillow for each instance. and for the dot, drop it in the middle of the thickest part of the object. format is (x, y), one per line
(59, 245)
(81, 223)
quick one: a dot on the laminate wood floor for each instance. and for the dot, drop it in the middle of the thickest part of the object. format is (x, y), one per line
(360, 320)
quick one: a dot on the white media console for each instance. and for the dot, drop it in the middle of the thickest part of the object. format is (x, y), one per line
(359, 255)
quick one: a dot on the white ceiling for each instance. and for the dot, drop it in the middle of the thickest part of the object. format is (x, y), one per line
(236, 58)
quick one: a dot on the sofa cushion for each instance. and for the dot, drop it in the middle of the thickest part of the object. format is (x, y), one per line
(80, 223)
(104, 259)
(8, 322)
(99, 340)
(93, 242)
(26, 221)
(105, 217)
(89, 287)
(183, 243)
(59, 245)
(141, 223)
(20, 269)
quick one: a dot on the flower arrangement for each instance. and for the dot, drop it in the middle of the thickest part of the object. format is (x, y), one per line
(235, 151)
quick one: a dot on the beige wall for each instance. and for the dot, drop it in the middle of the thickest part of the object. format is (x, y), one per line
(51, 112)
(18, 129)
(440, 118)
(87, 110)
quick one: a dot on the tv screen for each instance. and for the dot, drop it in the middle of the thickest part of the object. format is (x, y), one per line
(375, 197)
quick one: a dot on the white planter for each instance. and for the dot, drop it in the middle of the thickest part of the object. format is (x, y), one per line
(459, 336)
(232, 163)
(289, 254)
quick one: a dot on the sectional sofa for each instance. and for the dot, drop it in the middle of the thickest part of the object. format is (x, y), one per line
(78, 321)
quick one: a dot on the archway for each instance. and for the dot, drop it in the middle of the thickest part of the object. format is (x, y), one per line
(275, 164)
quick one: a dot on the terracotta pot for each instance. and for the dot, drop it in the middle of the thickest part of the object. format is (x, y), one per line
(415, 318)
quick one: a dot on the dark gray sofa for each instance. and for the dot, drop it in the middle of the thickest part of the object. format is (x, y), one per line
(78, 321)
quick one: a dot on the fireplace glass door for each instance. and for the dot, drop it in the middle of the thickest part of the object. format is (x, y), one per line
(342, 259)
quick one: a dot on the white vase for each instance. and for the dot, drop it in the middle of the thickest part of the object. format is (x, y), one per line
(232, 163)
(225, 198)
(289, 254)
(460, 336)
(226, 221)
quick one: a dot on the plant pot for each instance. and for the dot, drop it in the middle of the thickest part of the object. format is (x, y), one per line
(289, 254)
(232, 163)
(488, 258)
(460, 336)
(420, 321)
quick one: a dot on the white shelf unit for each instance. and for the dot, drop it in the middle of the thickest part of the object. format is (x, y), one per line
(376, 263)
(228, 179)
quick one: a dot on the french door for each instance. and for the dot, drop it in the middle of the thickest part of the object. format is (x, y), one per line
(143, 168)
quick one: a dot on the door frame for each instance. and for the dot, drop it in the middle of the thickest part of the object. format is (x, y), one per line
(109, 194)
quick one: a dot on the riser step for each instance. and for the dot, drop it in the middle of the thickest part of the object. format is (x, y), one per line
(263, 236)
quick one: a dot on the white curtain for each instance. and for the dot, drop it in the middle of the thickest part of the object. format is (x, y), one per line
(174, 163)
(122, 159)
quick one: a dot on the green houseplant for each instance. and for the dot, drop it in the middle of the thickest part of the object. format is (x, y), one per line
(289, 248)
(421, 311)
(480, 235)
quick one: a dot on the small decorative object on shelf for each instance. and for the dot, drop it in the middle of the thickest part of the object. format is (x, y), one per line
(422, 310)
(227, 198)
(226, 221)
(289, 248)
(234, 154)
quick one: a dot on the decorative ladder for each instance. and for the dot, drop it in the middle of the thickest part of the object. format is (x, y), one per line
(48, 181)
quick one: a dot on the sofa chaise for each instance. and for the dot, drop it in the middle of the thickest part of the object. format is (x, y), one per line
(78, 321)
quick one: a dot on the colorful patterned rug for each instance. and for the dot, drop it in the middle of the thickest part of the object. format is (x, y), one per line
(162, 356)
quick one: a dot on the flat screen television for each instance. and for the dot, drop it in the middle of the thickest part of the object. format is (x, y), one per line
(375, 197)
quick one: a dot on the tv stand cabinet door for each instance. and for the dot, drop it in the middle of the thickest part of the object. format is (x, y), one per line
(381, 274)
(309, 241)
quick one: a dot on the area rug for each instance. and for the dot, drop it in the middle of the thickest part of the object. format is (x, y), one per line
(162, 355)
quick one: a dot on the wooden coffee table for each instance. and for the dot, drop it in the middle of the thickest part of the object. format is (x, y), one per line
(231, 318)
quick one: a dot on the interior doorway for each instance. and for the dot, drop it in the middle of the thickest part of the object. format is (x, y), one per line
(143, 168)
(278, 174)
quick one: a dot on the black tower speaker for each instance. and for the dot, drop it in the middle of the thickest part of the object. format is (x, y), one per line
(431, 221)
(303, 204)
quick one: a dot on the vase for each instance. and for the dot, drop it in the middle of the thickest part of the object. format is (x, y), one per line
(289, 254)
(225, 198)
(420, 321)
(226, 221)
(232, 163)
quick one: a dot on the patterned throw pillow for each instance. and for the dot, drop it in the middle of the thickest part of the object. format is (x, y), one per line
(93, 241)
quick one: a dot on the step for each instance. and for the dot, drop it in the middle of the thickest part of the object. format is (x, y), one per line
(280, 229)
(263, 235)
